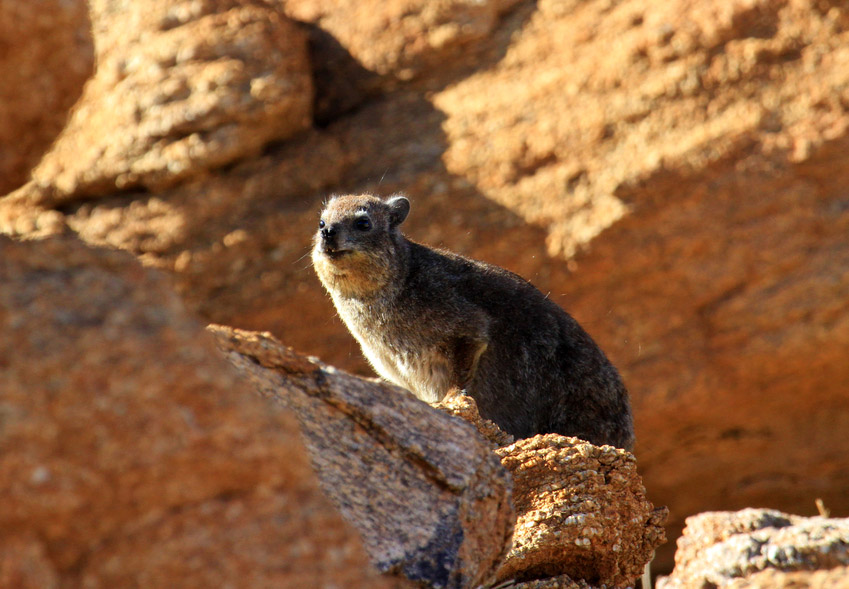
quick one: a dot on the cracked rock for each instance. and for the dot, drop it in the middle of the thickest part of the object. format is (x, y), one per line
(724, 549)
(429, 498)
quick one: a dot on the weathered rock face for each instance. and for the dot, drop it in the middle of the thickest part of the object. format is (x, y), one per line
(464, 407)
(836, 578)
(180, 87)
(752, 547)
(582, 511)
(560, 582)
(672, 173)
(131, 454)
(430, 500)
(582, 514)
(46, 58)
(403, 39)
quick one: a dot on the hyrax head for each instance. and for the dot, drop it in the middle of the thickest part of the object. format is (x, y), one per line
(355, 247)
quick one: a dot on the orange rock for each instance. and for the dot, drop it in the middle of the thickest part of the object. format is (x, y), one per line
(46, 58)
(430, 500)
(836, 578)
(673, 173)
(760, 548)
(582, 517)
(582, 511)
(132, 454)
(180, 88)
(404, 39)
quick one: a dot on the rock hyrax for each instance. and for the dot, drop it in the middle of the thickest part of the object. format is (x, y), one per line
(434, 322)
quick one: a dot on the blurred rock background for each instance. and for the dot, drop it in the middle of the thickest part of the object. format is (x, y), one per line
(674, 174)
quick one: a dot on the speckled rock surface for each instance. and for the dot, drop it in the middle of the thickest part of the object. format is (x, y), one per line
(836, 578)
(403, 39)
(429, 498)
(721, 548)
(180, 87)
(559, 582)
(47, 55)
(132, 454)
(582, 511)
(464, 407)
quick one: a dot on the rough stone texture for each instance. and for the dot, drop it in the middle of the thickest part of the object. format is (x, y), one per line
(836, 578)
(21, 218)
(341, 82)
(464, 407)
(582, 511)
(683, 83)
(673, 173)
(24, 563)
(403, 39)
(430, 500)
(720, 547)
(559, 582)
(131, 453)
(46, 55)
(180, 87)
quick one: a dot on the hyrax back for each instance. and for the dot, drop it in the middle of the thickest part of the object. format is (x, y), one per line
(433, 322)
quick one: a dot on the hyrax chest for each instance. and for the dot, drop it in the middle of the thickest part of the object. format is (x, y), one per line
(400, 352)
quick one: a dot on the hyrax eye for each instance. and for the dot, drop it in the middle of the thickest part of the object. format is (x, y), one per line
(362, 224)
(321, 224)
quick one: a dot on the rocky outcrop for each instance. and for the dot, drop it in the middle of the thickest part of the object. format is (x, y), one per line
(582, 511)
(672, 173)
(404, 39)
(180, 87)
(131, 453)
(428, 497)
(836, 578)
(46, 58)
(757, 547)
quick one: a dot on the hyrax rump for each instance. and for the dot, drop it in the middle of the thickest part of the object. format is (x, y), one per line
(434, 322)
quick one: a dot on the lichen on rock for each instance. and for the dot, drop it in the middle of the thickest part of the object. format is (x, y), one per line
(723, 549)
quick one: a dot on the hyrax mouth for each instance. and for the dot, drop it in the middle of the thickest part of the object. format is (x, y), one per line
(333, 253)
(336, 254)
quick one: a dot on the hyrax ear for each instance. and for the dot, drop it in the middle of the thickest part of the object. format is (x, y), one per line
(399, 208)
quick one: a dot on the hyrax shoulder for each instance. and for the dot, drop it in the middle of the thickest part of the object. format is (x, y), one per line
(433, 322)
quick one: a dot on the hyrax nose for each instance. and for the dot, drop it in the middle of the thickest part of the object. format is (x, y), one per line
(328, 232)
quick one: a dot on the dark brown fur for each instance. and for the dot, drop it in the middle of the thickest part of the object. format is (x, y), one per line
(433, 321)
